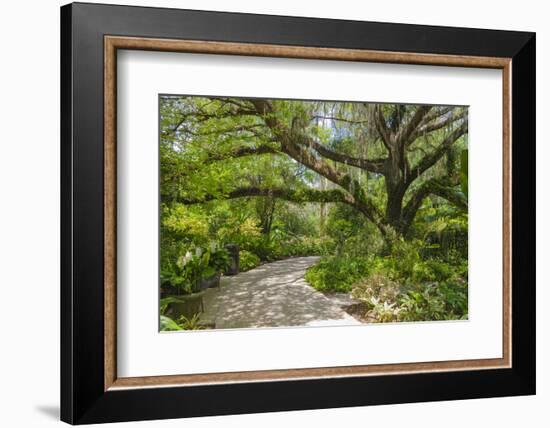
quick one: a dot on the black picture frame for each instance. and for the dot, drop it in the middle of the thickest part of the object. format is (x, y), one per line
(83, 398)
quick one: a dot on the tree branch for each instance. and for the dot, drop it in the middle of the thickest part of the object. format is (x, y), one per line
(292, 144)
(430, 159)
(299, 196)
(438, 124)
(407, 129)
(443, 188)
(374, 165)
(381, 127)
(216, 157)
(242, 128)
(240, 152)
(339, 119)
(201, 117)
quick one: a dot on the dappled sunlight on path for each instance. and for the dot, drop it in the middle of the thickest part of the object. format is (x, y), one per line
(272, 295)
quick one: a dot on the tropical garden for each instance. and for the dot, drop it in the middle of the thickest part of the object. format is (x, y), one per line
(377, 192)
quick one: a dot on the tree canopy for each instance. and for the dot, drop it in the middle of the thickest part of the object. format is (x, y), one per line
(383, 160)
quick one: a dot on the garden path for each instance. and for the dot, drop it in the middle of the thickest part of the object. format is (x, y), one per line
(272, 295)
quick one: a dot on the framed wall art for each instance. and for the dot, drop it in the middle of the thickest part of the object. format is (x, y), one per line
(266, 213)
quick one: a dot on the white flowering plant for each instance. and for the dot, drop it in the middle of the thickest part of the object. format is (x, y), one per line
(191, 267)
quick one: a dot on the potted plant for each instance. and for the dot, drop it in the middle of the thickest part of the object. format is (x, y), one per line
(185, 282)
(218, 262)
(211, 278)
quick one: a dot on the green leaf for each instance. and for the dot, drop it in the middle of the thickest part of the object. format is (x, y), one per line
(168, 324)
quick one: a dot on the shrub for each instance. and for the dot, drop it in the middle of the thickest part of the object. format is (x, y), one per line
(431, 270)
(379, 295)
(190, 323)
(306, 246)
(337, 274)
(385, 300)
(271, 250)
(378, 286)
(383, 311)
(219, 257)
(248, 260)
(184, 275)
(405, 265)
(168, 324)
(184, 225)
(432, 302)
(268, 250)
(183, 323)
(243, 232)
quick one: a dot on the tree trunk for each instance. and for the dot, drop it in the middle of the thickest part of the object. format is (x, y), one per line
(323, 209)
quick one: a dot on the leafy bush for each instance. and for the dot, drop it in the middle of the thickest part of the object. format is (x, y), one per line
(219, 257)
(379, 295)
(405, 265)
(189, 323)
(248, 260)
(444, 230)
(183, 323)
(376, 286)
(184, 224)
(268, 250)
(341, 229)
(445, 301)
(385, 300)
(307, 246)
(243, 232)
(337, 274)
(383, 311)
(182, 228)
(185, 273)
(168, 324)
(271, 250)
(165, 302)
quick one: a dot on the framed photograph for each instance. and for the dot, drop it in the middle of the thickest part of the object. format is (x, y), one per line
(265, 213)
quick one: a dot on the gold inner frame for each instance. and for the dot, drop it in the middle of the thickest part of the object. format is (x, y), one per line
(113, 43)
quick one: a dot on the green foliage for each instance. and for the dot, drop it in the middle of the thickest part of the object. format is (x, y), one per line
(307, 246)
(185, 274)
(168, 324)
(444, 232)
(378, 293)
(406, 265)
(182, 229)
(280, 246)
(337, 274)
(219, 258)
(351, 233)
(342, 230)
(248, 260)
(385, 300)
(190, 323)
(435, 301)
(183, 323)
(165, 302)
(185, 224)
(243, 232)
(376, 286)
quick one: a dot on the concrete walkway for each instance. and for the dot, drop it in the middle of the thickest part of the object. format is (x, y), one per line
(272, 295)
